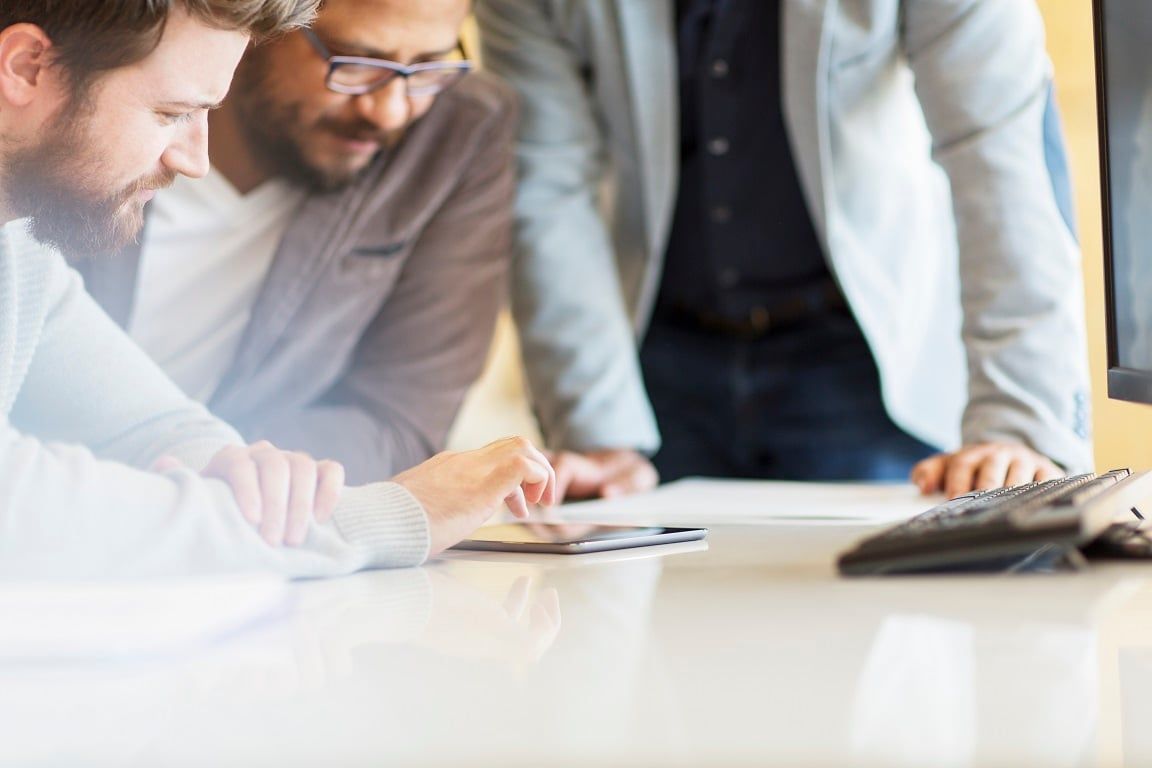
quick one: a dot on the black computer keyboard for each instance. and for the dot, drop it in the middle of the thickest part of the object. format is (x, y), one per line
(984, 530)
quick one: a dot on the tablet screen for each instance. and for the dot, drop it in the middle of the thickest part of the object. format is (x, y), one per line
(562, 533)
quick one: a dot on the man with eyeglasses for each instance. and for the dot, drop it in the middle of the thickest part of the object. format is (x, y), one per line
(837, 233)
(332, 284)
(108, 470)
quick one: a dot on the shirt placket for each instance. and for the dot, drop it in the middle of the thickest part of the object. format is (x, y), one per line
(718, 109)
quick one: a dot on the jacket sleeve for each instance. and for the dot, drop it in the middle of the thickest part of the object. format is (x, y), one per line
(70, 512)
(983, 80)
(575, 334)
(394, 406)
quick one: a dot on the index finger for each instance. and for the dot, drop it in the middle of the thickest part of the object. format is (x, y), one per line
(517, 505)
(928, 475)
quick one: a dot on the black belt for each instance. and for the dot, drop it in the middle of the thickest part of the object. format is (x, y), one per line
(797, 309)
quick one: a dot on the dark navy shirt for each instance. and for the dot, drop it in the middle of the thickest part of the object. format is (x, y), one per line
(741, 235)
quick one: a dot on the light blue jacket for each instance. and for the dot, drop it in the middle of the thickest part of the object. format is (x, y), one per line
(917, 130)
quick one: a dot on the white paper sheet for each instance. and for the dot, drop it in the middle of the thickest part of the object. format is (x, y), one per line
(704, 501)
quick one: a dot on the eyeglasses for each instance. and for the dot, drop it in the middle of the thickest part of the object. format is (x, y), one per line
(357, 75)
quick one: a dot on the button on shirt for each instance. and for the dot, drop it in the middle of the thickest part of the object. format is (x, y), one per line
(741, 236)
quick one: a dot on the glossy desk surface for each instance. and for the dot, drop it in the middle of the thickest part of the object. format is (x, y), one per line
(748, 650)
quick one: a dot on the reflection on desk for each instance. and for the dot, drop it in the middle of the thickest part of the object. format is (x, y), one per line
(748, 651)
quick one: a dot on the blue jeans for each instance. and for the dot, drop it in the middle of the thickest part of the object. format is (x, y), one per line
(800, 404)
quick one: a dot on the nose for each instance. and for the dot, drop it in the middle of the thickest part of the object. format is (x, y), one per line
(387, 108)
(188, 152)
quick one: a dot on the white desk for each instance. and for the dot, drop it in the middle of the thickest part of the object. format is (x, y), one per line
(749, 651)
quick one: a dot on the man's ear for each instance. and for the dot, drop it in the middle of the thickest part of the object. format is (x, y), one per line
(24, 59)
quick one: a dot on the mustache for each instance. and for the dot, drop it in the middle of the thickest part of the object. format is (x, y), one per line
(155, 181)
(358, 131)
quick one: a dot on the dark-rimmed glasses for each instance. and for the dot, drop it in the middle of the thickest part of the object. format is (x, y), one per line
(357, 75)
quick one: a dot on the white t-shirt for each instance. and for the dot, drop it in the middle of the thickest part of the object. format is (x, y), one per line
(206, 253)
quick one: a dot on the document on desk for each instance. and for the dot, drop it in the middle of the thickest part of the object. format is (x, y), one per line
(52, 621)
(699, 501)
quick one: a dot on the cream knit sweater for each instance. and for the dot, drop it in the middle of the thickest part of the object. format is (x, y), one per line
(82, 410)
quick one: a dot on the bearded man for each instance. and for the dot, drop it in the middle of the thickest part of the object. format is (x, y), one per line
(332, 284)
(106, 468)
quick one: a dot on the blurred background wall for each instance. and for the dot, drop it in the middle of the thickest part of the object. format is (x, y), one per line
(497, 407)
(1123, 430)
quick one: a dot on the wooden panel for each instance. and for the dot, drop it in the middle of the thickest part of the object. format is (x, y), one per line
(1123, 430)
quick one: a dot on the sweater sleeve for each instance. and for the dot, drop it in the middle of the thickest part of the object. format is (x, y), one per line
(1022, 290)
(88, 383)
(91, 405)
(66, 514)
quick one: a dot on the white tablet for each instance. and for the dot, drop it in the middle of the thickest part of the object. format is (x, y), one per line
(574, 538)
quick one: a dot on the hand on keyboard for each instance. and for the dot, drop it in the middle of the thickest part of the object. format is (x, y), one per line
(983, 466)
(1032, 526)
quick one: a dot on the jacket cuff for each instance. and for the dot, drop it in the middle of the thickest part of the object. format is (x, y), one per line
(641, 436)
(386, 523)
(1071, 451)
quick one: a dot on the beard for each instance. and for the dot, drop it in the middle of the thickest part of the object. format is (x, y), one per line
(54, 186)
(276, 134)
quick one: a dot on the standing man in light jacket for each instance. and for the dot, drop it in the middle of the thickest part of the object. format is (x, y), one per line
(332, 284)
(106, 468)
(834, 226)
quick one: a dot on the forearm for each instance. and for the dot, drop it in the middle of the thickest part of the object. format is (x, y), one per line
(89, 385)
(1023, 304)
(584, 380)
(1021, 286)
(65, 514)
(576, 336)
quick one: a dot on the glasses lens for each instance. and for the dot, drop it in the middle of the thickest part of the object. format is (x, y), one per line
(429, 81)
(359, 76)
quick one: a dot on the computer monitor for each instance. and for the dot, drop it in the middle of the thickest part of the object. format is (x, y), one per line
(1124, 91)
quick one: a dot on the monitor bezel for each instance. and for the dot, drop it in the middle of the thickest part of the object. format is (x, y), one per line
(1128, 384)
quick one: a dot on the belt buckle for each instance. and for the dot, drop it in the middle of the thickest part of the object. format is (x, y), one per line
(760, 321)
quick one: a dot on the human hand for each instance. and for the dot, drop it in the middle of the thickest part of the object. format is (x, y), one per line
(602, 474)
(981, 467)
(279, 491)
(459, 491)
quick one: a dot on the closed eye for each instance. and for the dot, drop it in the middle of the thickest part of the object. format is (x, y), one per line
(176, 118)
